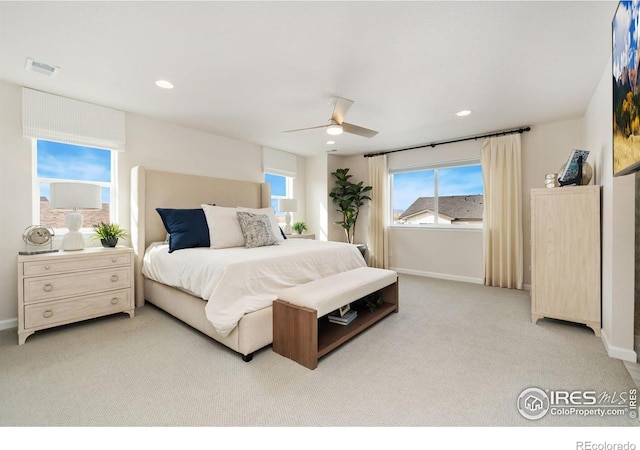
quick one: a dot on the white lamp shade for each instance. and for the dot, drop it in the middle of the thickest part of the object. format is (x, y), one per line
(75, 196)
(287, 205)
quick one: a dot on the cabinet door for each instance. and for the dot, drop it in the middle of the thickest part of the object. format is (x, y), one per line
(565, 257)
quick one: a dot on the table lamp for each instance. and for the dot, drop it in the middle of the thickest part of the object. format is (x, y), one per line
(287, 205)
(75, 196)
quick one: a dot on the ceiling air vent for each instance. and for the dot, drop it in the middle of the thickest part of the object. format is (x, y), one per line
(42, 68)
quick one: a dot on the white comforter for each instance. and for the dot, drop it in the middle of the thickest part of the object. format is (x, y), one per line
(236, 281)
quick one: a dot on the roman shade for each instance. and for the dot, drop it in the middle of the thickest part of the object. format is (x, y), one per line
(278, 162)
(61, 119)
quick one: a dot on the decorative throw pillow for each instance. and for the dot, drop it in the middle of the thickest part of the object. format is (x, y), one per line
(224, 229)
(187, 228)
(257, 229)
(272, 218)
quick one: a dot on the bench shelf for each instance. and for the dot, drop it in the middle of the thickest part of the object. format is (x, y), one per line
(331, 335)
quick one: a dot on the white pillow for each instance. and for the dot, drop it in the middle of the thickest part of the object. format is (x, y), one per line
(272, 218)
(224, 228)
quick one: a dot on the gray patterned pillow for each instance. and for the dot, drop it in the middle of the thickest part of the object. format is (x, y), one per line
(256, 229)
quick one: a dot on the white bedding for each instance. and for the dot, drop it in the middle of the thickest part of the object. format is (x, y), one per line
(236, 281)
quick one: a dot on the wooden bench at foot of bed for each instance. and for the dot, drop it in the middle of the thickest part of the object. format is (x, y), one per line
(301, 330)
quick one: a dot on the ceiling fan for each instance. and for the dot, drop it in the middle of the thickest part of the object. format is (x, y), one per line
(337, 125)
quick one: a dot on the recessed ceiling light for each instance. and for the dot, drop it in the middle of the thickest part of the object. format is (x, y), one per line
(164, 84)
(463, 113)
(331, 142)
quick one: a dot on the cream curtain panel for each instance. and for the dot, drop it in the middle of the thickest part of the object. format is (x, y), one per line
(502, 218)
(378, 212)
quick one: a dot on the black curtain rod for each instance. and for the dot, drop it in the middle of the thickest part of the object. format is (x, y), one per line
(433, 144)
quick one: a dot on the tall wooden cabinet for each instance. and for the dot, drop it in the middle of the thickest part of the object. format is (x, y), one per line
(565, 254)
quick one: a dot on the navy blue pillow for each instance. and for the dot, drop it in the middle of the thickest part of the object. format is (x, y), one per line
(187, 228)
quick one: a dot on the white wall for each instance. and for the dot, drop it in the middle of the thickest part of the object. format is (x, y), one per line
(618, 226)
(317, 198)
(15, 198)
(151, 143)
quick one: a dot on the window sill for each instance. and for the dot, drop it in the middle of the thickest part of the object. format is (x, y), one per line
(436, 228)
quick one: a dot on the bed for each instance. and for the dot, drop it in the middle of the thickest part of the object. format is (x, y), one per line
(249, 326)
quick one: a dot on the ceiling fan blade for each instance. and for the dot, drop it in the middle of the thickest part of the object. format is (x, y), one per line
(309, 128)
(355, 129)
(340, 109)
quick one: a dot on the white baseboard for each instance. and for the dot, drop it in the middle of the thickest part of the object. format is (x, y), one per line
(617, 352)
(9, 323)
(442, 276)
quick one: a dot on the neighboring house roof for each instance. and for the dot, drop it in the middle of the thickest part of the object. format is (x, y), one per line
(458, 207)
(56, 218)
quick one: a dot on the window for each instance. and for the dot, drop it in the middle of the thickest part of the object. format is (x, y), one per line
(438, 195)
(281, 187)
(56, 161)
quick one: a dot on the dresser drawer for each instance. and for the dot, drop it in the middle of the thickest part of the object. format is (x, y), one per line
(87, 307)
(79, 283)
(36, 268)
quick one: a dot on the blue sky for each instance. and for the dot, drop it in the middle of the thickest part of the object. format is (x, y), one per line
(408, 186)
(72, 162)
(625, 37)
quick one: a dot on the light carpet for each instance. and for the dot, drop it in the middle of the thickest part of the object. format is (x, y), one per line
(456, 354)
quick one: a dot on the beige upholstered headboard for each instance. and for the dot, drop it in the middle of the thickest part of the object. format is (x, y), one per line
(151, 189)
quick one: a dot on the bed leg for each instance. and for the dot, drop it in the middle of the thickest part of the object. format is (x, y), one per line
(247, 358)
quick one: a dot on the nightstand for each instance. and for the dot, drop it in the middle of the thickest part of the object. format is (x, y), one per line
(65, 287)
(301, 236)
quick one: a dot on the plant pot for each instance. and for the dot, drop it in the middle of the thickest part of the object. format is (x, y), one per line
(111, 242)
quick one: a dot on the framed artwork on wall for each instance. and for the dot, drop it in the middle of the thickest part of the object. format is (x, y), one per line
(626, 89)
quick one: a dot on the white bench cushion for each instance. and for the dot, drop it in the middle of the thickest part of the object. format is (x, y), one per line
(330, 293)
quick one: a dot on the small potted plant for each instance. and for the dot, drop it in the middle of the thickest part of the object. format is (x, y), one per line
(108, 233)
(299, 227)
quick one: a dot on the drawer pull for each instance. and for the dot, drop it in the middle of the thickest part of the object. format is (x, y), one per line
(114, 260)
(47, 313)
(114, 278)
(114, 301)
(47, 287)
(47, 267)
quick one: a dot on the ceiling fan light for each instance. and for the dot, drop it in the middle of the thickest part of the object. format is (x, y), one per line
(334, 129)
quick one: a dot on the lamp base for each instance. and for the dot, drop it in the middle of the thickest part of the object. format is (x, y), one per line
(287, 220)
(73, 240)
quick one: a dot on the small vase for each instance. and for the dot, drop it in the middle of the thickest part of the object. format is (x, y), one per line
(110, 242)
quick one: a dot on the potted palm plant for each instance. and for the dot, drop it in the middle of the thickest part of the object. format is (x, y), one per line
(108, 233)
(299, 227)
(349, 197)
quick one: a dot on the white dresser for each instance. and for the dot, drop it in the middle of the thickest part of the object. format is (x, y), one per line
(565, 254)
(64, 287)
(301, 236)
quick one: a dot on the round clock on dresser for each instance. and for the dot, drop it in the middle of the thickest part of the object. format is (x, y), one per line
(38, 236)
